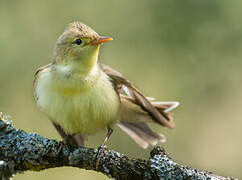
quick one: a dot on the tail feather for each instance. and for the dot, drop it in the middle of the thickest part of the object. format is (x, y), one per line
(141, 133)
(134, 122)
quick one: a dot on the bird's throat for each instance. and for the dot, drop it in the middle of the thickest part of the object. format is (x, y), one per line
(82, 64)
(88, 60)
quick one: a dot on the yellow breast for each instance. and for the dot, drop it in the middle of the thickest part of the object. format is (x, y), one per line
(78, 106)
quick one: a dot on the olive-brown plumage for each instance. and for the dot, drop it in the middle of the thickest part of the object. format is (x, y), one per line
(82, 96)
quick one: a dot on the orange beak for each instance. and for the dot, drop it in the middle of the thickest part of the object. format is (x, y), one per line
(101, 39)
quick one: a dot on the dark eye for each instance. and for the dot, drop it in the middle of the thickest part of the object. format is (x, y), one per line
(78, 41)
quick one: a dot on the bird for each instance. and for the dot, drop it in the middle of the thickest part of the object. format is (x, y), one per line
(81, 96)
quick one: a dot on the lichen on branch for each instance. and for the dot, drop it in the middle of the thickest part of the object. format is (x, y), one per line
(21, 151)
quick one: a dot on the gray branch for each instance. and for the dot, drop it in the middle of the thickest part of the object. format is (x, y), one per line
(21, 151)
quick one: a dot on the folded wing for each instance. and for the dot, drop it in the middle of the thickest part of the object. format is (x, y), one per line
(136, 110)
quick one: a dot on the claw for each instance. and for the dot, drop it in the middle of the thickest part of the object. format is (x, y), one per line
(61, 144)
(102, 150)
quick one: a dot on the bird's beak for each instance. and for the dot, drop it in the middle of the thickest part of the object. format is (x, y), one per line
(101, 39)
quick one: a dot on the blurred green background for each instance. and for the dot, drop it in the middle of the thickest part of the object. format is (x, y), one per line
(189, 51)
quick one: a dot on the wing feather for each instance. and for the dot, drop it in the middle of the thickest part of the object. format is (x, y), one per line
(124, 86)
(36, 75)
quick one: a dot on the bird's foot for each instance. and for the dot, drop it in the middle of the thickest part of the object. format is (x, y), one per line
(61, 144)
(65, 141)
(101, 151)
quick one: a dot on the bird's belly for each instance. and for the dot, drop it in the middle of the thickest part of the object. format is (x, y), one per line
(82, 112)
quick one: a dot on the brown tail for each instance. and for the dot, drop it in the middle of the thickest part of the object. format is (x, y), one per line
(141, 133)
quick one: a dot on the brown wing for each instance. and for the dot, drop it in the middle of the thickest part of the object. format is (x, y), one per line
(124, 86)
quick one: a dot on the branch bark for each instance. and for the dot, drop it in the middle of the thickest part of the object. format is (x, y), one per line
(21, 151)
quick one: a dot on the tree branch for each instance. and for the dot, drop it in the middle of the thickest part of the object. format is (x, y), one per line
(21, 151)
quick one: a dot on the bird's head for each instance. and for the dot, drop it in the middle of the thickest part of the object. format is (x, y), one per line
(78, 44)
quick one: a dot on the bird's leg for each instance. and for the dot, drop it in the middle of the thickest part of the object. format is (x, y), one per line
(68, 139)
(65, 140)
(74, 140)
(110, 131)
(101, 149)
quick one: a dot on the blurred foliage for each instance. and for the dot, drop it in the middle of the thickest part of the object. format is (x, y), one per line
(188, 51)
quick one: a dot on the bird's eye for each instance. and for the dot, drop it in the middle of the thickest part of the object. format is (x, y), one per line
(78, 41)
